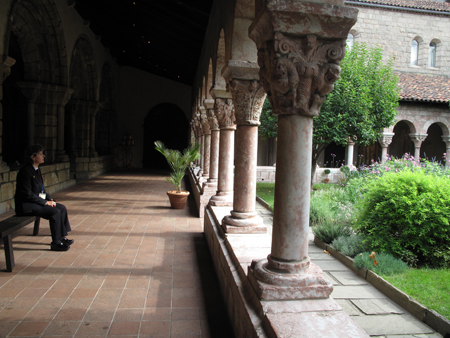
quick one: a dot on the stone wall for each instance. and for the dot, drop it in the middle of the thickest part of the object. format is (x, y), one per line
(394, 31)
(56, 177)
(88, 167)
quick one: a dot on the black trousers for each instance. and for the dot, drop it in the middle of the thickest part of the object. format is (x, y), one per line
(59, 220)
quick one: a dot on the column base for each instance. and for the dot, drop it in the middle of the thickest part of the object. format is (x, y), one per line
(243, 223)
(222, 199)
(270, 285)
(200, 173)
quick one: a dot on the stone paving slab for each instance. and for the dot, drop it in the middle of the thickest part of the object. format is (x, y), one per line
(392, 325)
(377, 306)
(330, 278)
(331, 265)
(356, 292)
(348, 278)
(348, 307)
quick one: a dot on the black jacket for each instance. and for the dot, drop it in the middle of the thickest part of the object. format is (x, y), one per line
(28, 187)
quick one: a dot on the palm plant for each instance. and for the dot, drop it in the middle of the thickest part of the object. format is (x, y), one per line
(178, 161)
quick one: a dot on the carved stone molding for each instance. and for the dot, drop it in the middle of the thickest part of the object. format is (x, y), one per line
(37, 92)
(224, 111)
(446, 139)
(351, 140)
(248, 96)
(212, 120)
(386, 139)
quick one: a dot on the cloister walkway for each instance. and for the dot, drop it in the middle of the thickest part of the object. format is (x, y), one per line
(137, 268)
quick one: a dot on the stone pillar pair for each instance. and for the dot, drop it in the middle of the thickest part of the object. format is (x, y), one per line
(206, 145)
(417, 140)
(299, 64)
(385, 141)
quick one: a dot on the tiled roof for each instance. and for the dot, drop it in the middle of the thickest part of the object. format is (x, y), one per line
(418, 4)
(420, 87)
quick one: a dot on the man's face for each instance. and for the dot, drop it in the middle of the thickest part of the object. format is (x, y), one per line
(38, 158)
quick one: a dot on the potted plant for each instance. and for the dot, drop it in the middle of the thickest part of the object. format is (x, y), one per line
(178, 163)
(326, 172)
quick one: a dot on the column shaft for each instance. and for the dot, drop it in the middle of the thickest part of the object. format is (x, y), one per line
(214, 157)
(207, 155)
(30, 115)
(292, 189)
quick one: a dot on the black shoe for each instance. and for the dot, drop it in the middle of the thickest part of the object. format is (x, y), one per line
(67, 241)
(59, 247)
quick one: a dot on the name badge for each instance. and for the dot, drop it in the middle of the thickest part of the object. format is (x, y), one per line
(42, 195)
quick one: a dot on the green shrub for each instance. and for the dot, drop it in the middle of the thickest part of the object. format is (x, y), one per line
(407, 214)
(386, 264)
(349, 245)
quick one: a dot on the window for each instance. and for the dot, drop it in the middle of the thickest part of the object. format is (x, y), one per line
(414, 53)
(350, 40)
(432, 56)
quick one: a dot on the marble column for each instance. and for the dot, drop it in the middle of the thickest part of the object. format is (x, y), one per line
(65, 95)
(93, 109)
(298, 67)
(385, 141)
(446, 139)
(215, 139)
(248, 98)
(6, 63)
(417, 140)
(207, 143)
(227, 125)
(350, 151)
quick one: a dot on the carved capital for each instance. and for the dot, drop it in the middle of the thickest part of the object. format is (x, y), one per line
(446, 139)
(212, 120)
(386, 139)
(224, 111)
(418, 139)
(351, 140)
(205, 123)
(208, 103)
(248, 98)
(5, 67)
(298, 73)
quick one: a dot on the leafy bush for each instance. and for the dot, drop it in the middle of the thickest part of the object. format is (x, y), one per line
(407, 213)
(349, 245)
(329, 231)
(380, 263)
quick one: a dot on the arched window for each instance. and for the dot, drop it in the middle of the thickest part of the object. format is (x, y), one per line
(432, 56)
(350, 40)
(414, 53)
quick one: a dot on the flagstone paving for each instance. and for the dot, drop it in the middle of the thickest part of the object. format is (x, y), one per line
(137, 268)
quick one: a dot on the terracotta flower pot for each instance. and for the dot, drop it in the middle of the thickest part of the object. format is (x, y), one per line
(178, 200)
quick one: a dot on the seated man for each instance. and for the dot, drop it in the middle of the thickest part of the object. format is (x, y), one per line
(32, 200)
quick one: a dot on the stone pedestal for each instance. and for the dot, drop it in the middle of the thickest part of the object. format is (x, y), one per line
(300, 46)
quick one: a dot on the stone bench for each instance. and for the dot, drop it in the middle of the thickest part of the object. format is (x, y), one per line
(7, 229)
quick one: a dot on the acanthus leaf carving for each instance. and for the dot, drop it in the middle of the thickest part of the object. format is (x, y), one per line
(224, 111)
(205, 123)
(248, 97)
(297, 73)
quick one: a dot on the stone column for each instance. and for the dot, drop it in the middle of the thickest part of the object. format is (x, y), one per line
(93, 109)
(6, 63)
(215, 138)
(385, 141)
(446, 139)
(207, 143)
(350, 151)
(33, 93)
(198, 127)
(299, 64)
(61, 155)
(225, 116)
(417, 140)
(248, 98)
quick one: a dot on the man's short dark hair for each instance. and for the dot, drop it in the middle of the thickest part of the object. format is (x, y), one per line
(32, 151)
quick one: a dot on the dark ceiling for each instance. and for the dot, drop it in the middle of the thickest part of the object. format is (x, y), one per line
(163, 37)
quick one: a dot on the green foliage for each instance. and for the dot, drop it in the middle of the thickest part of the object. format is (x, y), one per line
(328, 230)
(407, 213)
(266, 191)
(362, 103)
(349, 245)
(382, 263)
(429, 287)
(269, 122)
(178, 161)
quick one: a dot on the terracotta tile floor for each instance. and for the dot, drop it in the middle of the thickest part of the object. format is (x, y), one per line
(137, 268)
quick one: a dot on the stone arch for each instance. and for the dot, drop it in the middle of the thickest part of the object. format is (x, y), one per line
(37, 26)
(106, 119)
(165, 122)
(422, 53)
(443, 123)
(433, 147)
(242, 47)
(209, 83)
(402, 142)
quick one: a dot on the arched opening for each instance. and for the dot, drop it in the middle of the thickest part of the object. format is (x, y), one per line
(369, 154)
(401, 142)
(334, 156)
(433, 147)
(105, 126)
(165, 122)
(15, 131)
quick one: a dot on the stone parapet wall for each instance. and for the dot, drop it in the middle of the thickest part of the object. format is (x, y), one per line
(265, 174)
(84, 168)
(56, 177)
(394, 31)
